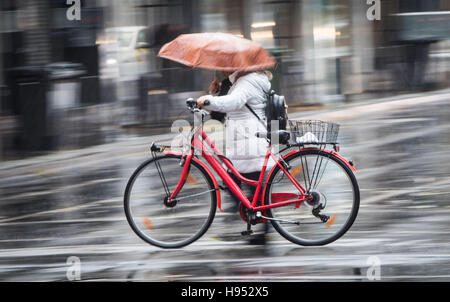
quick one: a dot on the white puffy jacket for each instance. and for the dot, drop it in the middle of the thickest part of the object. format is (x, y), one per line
(243, 148)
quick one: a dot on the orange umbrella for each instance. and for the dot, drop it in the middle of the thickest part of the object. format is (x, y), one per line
(217, 51)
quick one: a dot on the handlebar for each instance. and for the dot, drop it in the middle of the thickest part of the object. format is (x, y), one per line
(192, 104)
(193, 107)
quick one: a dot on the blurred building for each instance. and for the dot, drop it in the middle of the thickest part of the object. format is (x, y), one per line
(328, 52)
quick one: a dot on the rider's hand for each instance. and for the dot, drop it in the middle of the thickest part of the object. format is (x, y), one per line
(215, 86)
(201, 101)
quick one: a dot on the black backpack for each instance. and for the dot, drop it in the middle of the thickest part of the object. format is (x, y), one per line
(276, 109)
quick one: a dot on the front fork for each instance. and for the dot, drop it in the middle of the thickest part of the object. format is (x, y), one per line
(170, 199)
(185, 162)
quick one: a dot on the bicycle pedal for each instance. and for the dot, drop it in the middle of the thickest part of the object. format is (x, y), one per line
(246, 233)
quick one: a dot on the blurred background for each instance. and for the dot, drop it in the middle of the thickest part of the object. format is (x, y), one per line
(81, 100)
(73, 83)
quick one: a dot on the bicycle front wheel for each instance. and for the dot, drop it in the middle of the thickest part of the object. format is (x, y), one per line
(333, 203)
(169, 224)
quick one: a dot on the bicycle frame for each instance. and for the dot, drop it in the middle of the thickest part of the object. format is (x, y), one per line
(278, 199)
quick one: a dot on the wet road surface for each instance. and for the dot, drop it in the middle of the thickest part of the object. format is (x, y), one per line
(70, 204)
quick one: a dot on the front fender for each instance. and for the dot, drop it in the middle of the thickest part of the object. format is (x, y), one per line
(216, 185)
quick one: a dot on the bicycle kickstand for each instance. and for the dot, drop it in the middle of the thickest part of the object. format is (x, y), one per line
(249, 230)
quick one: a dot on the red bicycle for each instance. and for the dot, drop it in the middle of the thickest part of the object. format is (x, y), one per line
(310, 196)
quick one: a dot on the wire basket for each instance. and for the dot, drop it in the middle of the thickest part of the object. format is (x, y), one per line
(313, 132)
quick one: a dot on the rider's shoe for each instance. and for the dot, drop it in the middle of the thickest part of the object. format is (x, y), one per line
(260, 237)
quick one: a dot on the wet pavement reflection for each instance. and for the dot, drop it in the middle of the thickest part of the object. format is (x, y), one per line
(70, 204)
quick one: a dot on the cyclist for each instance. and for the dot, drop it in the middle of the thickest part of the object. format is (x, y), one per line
(243, 148)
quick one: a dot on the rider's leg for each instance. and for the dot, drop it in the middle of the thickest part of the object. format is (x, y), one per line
(234, 200)
(259, 238)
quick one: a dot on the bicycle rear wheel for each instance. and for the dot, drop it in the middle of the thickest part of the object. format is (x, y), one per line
(164, 224)
(331, 184)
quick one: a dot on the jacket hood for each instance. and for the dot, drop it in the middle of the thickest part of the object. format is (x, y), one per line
(259, 80)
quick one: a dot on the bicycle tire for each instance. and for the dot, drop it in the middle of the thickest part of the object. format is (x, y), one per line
(159, 243)
(355, 206)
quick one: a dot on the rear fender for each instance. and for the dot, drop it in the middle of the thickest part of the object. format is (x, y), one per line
(326, 151)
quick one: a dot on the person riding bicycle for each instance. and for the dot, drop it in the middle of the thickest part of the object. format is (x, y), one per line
(243, 148)
(241, 125)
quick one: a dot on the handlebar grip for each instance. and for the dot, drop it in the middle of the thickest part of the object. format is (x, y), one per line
(190, 102)
(261, 134)
(283, 135)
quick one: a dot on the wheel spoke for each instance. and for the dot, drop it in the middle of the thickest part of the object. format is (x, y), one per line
(332, 204)
(169, 223)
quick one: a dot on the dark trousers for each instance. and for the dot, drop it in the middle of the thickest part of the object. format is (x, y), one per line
(247, 189)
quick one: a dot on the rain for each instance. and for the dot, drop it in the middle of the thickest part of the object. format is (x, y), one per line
(82, 101)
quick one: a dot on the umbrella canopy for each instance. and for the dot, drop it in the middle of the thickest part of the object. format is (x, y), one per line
(217, 51)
